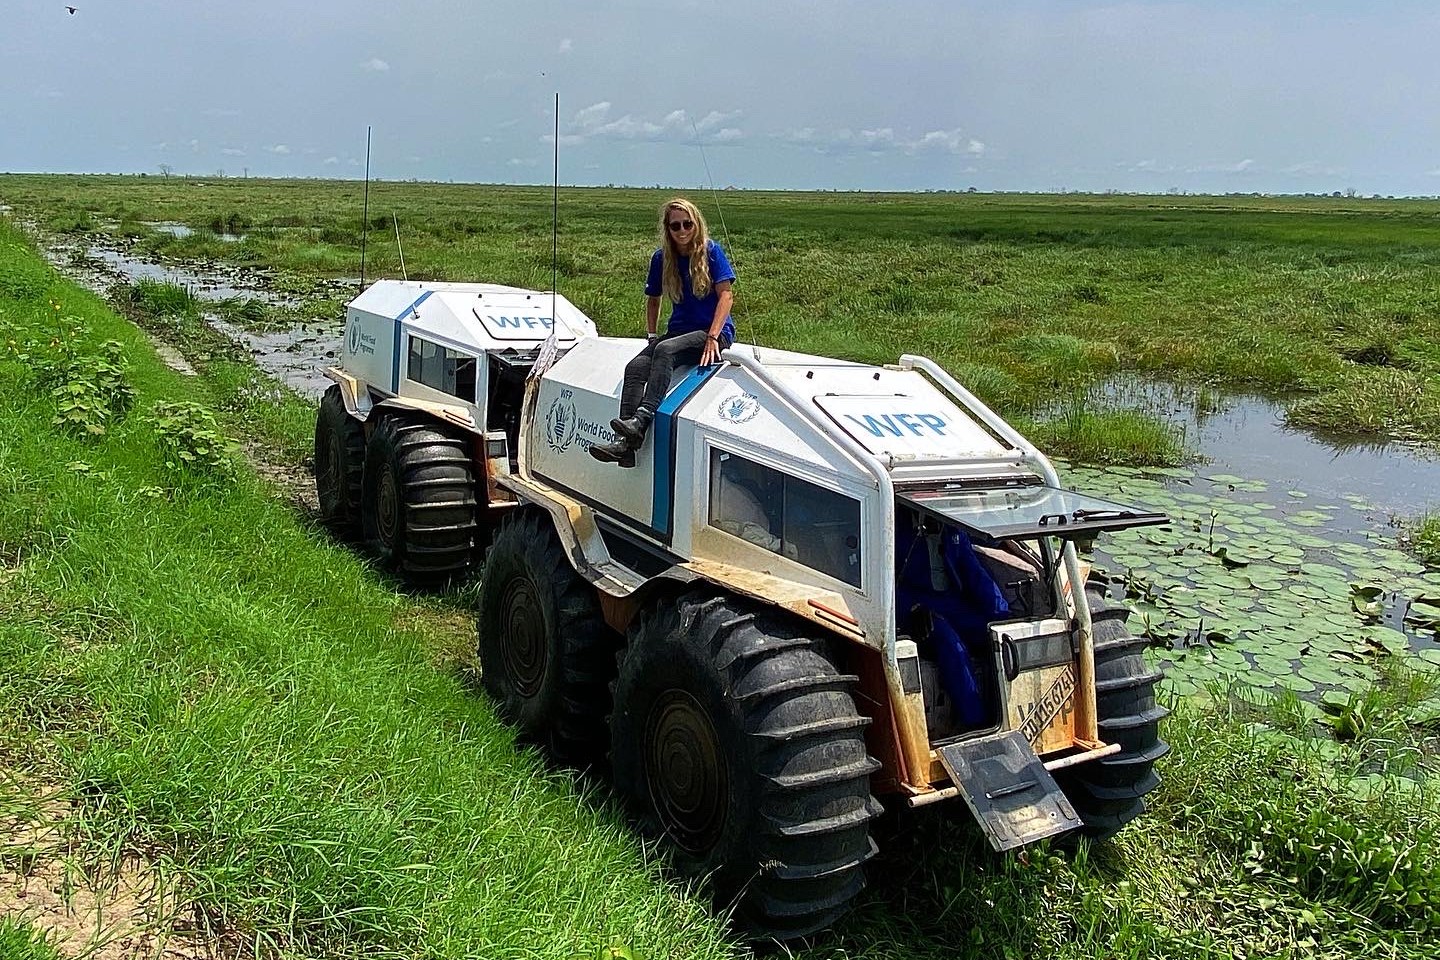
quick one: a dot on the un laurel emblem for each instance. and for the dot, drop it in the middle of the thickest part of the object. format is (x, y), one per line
(739, 407)
(560, 425)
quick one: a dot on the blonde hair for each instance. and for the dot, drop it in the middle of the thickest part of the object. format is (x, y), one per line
(670, 256)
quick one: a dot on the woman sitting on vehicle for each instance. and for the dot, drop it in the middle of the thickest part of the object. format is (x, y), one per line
(693, 273)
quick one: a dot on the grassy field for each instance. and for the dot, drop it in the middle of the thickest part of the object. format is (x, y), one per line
(224, 690)
(1327, 302)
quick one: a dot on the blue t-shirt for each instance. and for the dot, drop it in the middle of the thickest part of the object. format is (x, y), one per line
(692, 312)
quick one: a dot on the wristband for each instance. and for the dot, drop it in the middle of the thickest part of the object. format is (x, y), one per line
(716, 339)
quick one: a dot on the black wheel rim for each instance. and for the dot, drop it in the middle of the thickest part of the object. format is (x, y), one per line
(685, 771)
(387, 508)
(522, 637)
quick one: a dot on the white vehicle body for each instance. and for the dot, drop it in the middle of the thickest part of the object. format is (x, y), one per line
(394, 326)
(777, 477)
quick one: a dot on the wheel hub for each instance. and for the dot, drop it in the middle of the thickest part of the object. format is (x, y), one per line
(522, 631)
(387, 508)
(685, 771)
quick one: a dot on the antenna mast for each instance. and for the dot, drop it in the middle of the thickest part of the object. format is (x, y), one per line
(715, 194)
(399, 248)
(365, 216)
(555, 221)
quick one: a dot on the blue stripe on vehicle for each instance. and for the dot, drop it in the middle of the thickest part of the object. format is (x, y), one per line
(663, 436)
(395, 371)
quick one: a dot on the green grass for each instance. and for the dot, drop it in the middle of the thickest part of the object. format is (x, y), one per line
(1108, 437)
(239, 698)
(1423, 539)
(307, 752)
(20, 941)
(1328, 298)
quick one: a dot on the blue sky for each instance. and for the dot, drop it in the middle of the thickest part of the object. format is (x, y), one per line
(1269, 95)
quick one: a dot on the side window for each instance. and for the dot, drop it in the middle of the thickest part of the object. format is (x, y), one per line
(786, 515)
(442, 368)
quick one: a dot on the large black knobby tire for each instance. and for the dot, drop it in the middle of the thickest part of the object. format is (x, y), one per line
(339, 463)
(735, 736)
(1108, 793)
(418, 506)
(546, 654)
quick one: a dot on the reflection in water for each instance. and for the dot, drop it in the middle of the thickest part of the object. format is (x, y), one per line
(205, 286)
(296, 357)
(181, 230)
(1246, 435)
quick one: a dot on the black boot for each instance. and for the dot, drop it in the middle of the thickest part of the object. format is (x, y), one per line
(618, 452)
(633, 429)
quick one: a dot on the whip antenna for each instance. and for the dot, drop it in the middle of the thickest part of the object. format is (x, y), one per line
(550, 350)
(555, 220)
(365, 215)
(398, 247)
(715, 194)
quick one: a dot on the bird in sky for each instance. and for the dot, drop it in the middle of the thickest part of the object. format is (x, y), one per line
(72, 10)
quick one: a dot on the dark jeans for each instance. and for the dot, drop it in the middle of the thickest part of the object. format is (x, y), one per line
(647, 376)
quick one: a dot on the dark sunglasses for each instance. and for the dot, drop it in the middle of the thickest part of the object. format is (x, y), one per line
(677, 225)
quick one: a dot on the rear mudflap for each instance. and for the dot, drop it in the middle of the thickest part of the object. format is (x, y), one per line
(1008, 789)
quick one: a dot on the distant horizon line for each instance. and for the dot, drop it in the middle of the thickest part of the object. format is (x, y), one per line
(1348, 194)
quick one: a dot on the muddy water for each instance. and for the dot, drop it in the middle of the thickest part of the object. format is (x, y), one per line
(204, 284)
(181, 230)
(296, 356)
(1246, 436)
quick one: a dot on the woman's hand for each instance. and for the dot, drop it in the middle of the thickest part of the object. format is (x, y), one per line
(711, 353)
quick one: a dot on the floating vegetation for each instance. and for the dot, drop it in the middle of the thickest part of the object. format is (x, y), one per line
(1268, 588)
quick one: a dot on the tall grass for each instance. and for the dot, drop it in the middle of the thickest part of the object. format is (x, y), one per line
(1280, 295)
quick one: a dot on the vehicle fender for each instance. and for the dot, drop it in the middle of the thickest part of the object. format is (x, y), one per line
(353, 391)
(441, 411)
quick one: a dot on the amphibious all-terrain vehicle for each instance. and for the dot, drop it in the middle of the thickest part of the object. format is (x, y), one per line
(822, 583)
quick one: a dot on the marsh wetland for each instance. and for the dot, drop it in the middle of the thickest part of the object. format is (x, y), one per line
(1264, 371)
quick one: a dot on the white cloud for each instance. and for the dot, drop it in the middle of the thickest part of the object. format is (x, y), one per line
(885, 140)
(50, 93)
(1238, 167)
(232, 152)
(222, 112)
(412, 159)
(567, 45)
(162, 145)
(331, 161)
(194, 145)
(279, 149)
(375, 65)
(596, 122)
(1313, 168)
